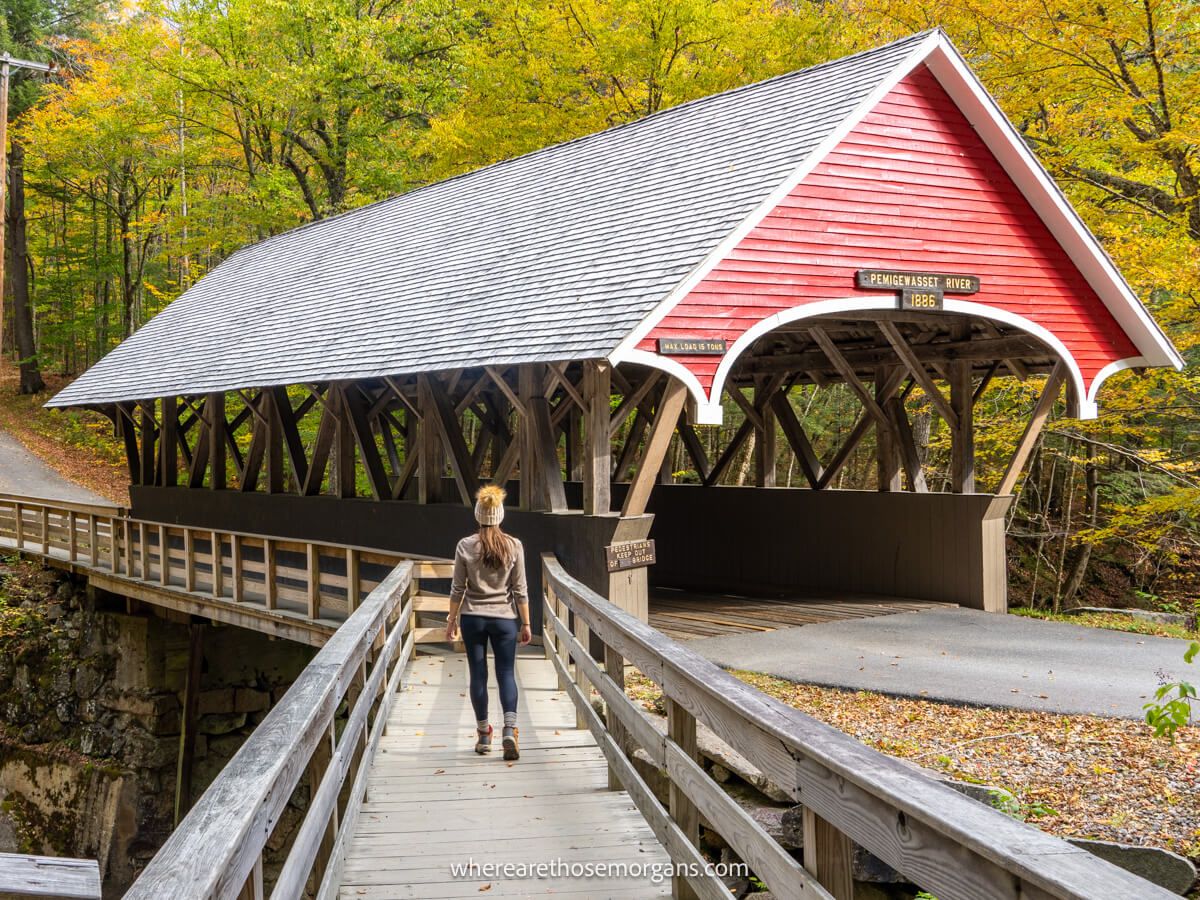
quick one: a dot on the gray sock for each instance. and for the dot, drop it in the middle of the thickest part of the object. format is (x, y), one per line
(510, 720)
(482, 725)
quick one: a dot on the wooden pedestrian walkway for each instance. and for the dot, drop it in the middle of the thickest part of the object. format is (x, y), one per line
(432, 803)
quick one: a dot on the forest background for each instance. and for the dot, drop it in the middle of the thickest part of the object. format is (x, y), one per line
(175, 132)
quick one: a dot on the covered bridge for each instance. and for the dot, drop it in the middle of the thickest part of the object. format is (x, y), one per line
(558, 322)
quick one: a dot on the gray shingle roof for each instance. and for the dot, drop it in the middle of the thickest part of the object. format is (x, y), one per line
(555, 255)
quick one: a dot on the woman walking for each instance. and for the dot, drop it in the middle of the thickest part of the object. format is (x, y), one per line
(489, 601)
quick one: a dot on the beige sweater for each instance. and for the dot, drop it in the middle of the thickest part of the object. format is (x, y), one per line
(486, 591)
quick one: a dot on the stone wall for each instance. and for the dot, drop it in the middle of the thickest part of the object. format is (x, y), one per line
(90, 704)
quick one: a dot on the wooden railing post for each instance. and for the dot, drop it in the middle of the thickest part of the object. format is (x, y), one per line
(217, 555)
(19, 516)
(164, 559)
(253, 888)
(143, 551)
(72, 536)
(828, 856)
(681, 728)
(127, 535)
(614, 667)
(93, 546)
(45, 529)
(189, 560)
(237, 577)
(316, 771)
(352, 586)
(314, 582)
(269, 573)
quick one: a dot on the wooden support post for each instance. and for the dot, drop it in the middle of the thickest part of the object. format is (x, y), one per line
(123, 417)
(666, 417)
(1033, 428)
(147, 429)
(962, 445)
(19, 516)
(344, 458)
(681, 728)
(528, 379)
(215, 409)
(765, 443)
(597, 447)
(281, 406)
(828, 856)
(168, 444)
(548, 468)
(45, 525)
(432, 464)
(274, 428)
(187, 731)
(887, 457)
(72, 535)
(127, 529)
(93, 544)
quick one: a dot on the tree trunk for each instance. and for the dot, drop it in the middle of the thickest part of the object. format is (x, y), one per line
(1083, 554)
(31, 377)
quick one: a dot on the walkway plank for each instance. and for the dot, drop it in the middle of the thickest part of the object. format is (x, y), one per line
(433, 803)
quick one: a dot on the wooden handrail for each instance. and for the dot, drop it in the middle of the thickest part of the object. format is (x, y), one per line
(216, 852)
(950, 845)
(50, 877)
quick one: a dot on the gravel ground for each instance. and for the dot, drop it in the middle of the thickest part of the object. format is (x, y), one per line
(1079, 776)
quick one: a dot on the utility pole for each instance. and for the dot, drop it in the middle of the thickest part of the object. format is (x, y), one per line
(7, 64)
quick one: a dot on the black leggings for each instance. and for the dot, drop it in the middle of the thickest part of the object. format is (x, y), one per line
(476, 632)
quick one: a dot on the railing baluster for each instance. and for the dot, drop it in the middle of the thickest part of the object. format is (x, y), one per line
(314, 582)
(143, 551)
(828, 856)
(269, 586)
(235, 565)
(127, 536)
(217, 554)
(45, 530)
(681, 728)
(93, 546)
(614, 667)
(189, 560)
(72, 536)
(164, 558)
(352, 586)
(20, 525)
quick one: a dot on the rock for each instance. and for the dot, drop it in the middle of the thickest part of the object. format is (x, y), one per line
(1168, 870)
(720, 773)
(1146, 615)
(53, 612)
(738, 885)
(654, 777)
(87, 682)
(250, 700)
(791, 828)
(769, 816)
(721, 754)
(989, 795)
(218, 701)
(221, 723)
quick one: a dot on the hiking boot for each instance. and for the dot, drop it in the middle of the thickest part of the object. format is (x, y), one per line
(483, 741)
(511, 751)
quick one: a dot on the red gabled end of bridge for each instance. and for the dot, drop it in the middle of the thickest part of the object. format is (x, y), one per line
(912, 186)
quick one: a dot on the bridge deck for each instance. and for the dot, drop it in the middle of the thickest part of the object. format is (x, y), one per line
(432, 802)
(688, 615)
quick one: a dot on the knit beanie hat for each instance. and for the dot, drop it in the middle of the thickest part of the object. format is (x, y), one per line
(489, 505)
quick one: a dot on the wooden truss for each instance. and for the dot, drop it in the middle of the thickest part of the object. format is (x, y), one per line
(566, 432)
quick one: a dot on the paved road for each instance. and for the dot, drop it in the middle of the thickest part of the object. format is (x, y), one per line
(23, 473)
(966, 656)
